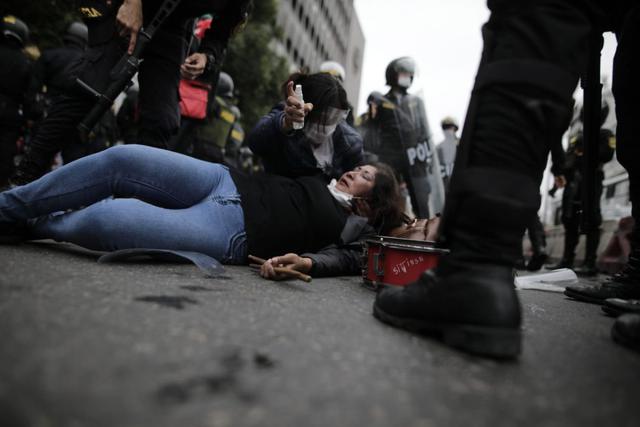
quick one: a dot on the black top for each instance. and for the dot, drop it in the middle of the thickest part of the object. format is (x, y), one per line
(288, 215)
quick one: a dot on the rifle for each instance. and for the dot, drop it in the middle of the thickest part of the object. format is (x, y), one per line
(123, 71)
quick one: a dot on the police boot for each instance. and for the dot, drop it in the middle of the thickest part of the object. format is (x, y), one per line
(469, 301)
(625, 284)
(588, 268)
(568, 256)
(32, 166)
(537, 260)
(626, 331)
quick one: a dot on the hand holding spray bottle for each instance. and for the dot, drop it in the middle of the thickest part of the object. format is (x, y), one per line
(298, 95)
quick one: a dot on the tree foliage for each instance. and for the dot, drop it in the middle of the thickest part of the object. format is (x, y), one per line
(47, 19)
(256, 70)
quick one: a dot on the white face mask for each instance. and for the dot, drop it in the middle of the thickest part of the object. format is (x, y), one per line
(343, 198)
(321, 133)
(404, 81)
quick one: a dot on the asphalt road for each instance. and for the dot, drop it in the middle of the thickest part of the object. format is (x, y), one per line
(149, 344)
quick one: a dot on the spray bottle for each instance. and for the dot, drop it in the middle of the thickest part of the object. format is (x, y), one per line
(298, 95)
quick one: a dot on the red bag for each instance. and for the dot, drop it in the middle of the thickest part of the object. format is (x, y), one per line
(193, 98)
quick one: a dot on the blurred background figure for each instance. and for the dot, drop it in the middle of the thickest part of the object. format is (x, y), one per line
(15, 75)
(572, 196)
(448, 147)
(337, 70)
(368, 127)
(405, 140)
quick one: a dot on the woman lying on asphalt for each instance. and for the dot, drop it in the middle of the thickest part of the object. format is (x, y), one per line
(135, 196)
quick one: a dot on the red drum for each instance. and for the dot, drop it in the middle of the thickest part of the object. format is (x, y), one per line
(395, 261)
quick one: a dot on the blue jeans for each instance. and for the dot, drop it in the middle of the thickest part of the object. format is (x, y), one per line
(134, 196)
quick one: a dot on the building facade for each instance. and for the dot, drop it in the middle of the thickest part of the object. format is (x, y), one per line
(315, 31)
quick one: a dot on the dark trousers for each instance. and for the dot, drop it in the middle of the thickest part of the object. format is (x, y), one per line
(534, 52)
(158, 76)
(8, 137)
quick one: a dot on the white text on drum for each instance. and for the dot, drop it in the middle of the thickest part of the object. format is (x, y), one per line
(401, 267)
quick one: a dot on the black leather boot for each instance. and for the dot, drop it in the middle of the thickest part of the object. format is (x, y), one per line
(563, 263)
(588, 268)
(624, 284)
(470, 301)
(537, 260)
(32, 166)
(626, 331)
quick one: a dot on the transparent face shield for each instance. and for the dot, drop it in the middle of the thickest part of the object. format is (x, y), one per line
(321, 130)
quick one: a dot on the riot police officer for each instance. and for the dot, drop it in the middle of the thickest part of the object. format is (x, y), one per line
(534, 52)
(405, 139)
(54, 70)
(110, 23)
(368, 127)
(448, 147)
(219, 136)
(572, 197)
(15, 74)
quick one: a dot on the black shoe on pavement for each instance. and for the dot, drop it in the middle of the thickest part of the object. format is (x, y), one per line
(617, 307)
(537, 261)
(624, 284)
(474, 309)
(13, 233)
(564, 263)
(626, 331)
(520, 264)
(588, 269)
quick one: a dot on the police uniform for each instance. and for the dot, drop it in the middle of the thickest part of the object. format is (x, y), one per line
(534, 52)
(572, 197)
(15, 74)
(218, 133)
(158, 75)
(405, 144)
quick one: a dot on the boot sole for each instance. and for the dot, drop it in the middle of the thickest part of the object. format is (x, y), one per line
(581, 297)
(499, 343)
(624, 340)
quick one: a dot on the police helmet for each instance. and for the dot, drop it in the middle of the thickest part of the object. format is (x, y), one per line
(15, 29)
(225, 85)
(375, 97)
(404, 64)
(77, 32)
(448, 122)
(334, 68)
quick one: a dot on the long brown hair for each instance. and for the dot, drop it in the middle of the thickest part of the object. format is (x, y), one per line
(385, 200)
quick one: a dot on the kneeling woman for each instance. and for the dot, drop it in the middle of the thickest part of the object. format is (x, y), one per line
(141, 197)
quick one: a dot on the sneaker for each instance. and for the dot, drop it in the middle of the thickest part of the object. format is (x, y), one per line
(626, 331)
(624, 284)
(474, 309)
(617, 307)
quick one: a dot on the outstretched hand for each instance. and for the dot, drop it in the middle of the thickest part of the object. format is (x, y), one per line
(288, 261)
(129, 21)
(294, 110)
(193, 66)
